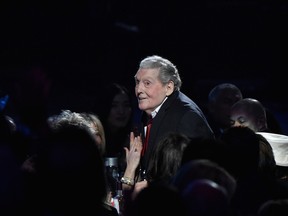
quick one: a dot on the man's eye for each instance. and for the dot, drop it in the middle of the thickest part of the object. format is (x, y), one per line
(241, 120)
(147, 83)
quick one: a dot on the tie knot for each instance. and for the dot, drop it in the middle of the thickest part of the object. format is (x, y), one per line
(149, 120)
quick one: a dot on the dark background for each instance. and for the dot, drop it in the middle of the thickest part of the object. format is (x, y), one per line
(80, 47)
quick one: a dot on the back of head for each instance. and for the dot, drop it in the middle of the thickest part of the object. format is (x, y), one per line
(204, 197)
(97, 129)
(166, 157)
(157, 198)
(211, 149)
(220, 100)
(242, 146)
(70, 169)
(88, 121)
(167, 70)
(224, 89)
(204, 169)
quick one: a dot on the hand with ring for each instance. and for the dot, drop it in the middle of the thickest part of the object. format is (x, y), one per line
(133, 155)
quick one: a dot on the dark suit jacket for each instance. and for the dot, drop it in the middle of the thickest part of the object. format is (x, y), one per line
(177, 114)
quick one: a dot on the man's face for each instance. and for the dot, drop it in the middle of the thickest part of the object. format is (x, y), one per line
(241, 118)
(149, 91)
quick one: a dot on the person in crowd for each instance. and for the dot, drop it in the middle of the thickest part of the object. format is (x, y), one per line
(165, 161)
(210, 149)
(70, 176)
(166, 158)
(157, 88)
(250, 112)
(90, 120)
(93, 124)
(164, 199)
(220, 99)
(116, 114)
(65, 118)
(204, 169)
(279, 144)
(205, 197)
(243, 155)
(205, 187)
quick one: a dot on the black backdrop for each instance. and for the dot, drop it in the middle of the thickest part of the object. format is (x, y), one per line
(82, 46)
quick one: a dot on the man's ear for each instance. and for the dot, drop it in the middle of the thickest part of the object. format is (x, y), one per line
(170, 88)
(262, 123)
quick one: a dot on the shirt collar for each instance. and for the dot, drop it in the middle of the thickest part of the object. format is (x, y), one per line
(153, 114)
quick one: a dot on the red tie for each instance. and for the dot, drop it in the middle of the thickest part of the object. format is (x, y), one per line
(149, 124)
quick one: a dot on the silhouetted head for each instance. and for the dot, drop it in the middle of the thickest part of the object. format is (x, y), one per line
(220, 100)
(204, 197)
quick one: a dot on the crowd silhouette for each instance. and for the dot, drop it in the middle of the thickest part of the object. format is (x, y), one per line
(52, 163)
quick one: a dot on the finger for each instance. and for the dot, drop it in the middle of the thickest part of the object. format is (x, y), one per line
(139, 141)
(126, 152)
(132, 138)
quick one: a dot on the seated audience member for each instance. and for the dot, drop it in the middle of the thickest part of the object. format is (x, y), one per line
(249, 112)
(210, 149)
(165, 162)
(243, 161)
(166, 158)
(116, 114)
(70, 177)
(205, 187)
(205, 197)
(204, 169)
(279, 144)
(220, 100)
(67, 117)
(164, 199)
(89, 120)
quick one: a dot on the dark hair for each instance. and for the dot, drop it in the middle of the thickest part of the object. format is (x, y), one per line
(106, 97)
(70, 167)
(242, 145)
(267, 163)
(166, 157)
